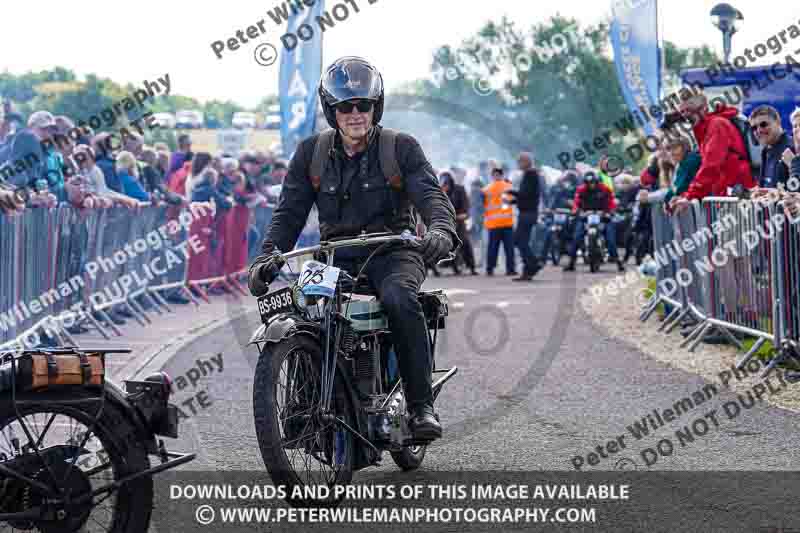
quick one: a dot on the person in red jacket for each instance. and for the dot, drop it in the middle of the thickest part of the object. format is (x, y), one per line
(594, 195)
(725, 163)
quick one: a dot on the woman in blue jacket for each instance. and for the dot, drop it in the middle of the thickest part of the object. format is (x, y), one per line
(128, 174)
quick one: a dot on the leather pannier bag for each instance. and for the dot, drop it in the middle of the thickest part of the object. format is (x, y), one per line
(43, 370)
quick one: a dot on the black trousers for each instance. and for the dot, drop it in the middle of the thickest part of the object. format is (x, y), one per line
(506, 237)
(397, 277)
(467, 250)
(526, 223)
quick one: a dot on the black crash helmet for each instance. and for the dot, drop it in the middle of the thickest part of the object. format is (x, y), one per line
(350, 78)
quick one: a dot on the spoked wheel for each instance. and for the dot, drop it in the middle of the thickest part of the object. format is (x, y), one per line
(595, 258)
(410, 457)
(75, 456)
(302, 446)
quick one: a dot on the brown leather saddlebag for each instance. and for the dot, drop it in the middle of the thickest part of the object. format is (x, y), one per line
(43, 370)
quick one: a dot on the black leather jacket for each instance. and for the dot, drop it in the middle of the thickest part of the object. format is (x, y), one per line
(353, 195)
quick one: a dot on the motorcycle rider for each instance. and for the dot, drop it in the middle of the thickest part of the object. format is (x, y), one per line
(559, 196)
(596, 196)
(353, 195)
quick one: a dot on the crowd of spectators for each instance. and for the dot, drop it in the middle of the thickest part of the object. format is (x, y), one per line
(42, 166)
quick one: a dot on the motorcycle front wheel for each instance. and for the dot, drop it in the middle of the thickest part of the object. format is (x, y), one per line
(302, 446)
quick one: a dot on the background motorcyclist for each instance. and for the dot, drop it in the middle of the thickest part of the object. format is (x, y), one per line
(559, 196)
(353, 195)
(594, 195)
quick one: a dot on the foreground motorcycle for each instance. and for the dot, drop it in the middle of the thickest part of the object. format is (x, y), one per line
(74, 447)
(594, 240)
(327, 396)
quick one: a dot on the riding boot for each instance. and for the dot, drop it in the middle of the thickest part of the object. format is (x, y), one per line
(424, 423)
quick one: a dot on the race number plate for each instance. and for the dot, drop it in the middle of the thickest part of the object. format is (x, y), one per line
(594, 219)
(318, 279)
(275, 303)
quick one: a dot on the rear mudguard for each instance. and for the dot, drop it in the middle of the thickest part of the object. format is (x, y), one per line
(287, 325)
(114, 395)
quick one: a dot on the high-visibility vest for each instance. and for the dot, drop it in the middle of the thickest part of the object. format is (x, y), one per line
(495, 214)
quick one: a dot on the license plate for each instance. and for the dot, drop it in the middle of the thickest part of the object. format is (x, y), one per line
(561, 218)
(275, 303)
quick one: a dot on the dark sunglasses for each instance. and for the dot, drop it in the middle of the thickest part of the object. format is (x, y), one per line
(363, 106)
(762, 125)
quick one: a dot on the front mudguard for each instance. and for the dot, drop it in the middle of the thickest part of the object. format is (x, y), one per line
(282, 327)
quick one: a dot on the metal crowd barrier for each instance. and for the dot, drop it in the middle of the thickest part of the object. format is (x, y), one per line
(61, 266)
(667, 269)
(734, 270)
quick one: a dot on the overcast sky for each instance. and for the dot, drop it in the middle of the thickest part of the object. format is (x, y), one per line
(131, 42)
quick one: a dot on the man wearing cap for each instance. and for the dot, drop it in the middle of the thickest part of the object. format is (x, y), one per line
(32, 146)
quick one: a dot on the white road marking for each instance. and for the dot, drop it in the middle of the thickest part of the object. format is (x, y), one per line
(455, 292)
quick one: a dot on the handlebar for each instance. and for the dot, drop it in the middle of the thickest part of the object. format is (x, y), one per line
(365, 239)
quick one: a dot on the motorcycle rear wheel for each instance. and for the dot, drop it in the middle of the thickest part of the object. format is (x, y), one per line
(290, 427)
(117, 450)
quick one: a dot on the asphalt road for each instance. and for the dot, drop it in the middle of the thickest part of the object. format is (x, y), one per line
(538, 385)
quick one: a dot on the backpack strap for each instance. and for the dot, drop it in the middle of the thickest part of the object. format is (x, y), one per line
(389, 164)
(321, 153)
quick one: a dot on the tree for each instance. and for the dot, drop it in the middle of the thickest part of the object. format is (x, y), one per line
(219, 114)
(556, 83)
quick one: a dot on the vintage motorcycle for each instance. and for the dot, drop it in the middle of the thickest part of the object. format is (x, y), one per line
(327, 395)
(594, 240)
(74, 447)
(556, 223)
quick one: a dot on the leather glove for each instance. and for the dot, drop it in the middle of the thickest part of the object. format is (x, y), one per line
(263, 271)
(435, 246)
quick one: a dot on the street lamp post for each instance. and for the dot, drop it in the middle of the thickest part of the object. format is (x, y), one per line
(724, 17)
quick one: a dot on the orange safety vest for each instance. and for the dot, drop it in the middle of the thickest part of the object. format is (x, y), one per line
(496, 215)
